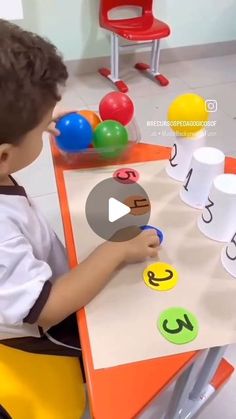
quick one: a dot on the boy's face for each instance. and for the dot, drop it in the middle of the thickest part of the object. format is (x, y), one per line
(16, 157)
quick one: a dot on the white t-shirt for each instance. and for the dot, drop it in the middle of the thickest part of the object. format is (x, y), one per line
(31, 259)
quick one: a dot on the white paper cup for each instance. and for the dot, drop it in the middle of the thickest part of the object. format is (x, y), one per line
(181, 155)
(218, 219)
(228, 256)
(206, 164)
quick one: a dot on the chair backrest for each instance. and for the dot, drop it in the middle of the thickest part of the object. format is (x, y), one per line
(107, 5)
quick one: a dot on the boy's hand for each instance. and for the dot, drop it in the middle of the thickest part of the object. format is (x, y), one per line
(137, 249)
(56, 116)
(141, 247)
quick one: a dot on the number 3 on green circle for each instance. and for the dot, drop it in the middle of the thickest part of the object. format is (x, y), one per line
(178, 325)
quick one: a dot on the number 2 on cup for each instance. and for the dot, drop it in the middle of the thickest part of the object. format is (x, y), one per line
(174, 156)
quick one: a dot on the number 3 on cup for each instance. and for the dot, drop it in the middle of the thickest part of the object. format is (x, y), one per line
(207, 216)
(178, 325)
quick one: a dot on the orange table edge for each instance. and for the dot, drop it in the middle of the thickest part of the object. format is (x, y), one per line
(120, 392)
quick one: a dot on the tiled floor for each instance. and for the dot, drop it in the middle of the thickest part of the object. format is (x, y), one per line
(213, 78)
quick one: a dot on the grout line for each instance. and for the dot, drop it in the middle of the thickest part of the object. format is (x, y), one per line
(214, 84)
(182, 80)
(44, 195)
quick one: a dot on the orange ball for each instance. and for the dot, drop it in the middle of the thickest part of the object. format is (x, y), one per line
(91, 117)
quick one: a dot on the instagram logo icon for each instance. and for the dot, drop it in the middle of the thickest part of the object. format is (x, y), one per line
(211, 105)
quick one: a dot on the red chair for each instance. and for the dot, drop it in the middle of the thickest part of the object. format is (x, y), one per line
(143, 30)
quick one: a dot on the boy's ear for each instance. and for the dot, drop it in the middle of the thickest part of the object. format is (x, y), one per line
(5, 157)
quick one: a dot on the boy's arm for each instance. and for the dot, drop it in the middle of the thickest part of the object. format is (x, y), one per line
(75, 289)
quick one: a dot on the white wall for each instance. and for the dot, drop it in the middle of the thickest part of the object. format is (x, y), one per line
(73, 24)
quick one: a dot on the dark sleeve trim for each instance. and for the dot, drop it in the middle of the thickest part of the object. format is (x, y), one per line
(4, 414)
(35, 311)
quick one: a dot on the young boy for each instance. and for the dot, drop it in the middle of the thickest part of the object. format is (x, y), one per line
(38, 293)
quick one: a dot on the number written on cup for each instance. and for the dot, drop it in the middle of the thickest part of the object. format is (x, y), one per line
(174, 155)
(207, 215)
(188, 177)
(231, 249)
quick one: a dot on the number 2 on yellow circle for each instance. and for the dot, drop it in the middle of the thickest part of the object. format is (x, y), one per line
(160, 276)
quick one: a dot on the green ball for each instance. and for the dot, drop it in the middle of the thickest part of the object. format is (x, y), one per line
(110, 139)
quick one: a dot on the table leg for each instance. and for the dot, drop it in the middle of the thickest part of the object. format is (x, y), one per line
(199, 383)
(190, 393)
(207, 371)
(182, 389)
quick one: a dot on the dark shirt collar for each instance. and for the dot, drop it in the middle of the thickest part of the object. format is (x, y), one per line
(14, 189)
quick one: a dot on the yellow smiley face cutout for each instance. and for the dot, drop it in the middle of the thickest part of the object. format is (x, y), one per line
(160, 276)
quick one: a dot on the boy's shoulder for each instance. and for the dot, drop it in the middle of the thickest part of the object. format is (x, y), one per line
(9, 228)
(13, 210)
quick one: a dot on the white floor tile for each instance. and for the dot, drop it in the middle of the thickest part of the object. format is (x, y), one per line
(182, 75)
(204, 72)
(49, 205)
(71, 98)
(93, 87)
(224, 405)
(222, 135)
(141, 85)
(38, 178)
(224, 94)
(150, 110)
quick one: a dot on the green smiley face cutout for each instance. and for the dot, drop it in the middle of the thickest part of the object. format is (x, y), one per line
(178, 325)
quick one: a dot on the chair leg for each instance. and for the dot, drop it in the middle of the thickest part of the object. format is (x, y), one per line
(113, 74)
(114, 57)
(153, 69)
(155, 57)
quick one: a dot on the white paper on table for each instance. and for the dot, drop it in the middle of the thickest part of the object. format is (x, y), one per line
(122, 319)
(11, 9)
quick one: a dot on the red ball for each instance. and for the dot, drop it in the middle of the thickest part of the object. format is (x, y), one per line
(117, 106)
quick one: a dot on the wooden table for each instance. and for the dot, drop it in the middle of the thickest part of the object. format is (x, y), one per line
(123, 392)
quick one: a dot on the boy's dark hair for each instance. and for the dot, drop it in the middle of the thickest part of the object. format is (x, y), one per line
(31, 69)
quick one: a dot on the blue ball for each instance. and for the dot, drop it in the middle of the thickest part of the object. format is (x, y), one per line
(159, 232)
(76, 133)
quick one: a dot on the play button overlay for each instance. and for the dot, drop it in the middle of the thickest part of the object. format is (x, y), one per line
(110, 210)
(117, 210)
